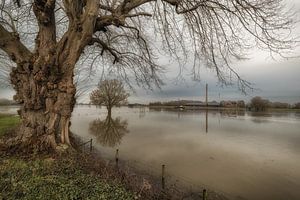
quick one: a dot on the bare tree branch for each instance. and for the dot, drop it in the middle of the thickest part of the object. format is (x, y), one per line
(10, 43)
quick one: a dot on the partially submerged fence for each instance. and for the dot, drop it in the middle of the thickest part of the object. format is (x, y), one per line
(88, 144)
(197, 191)
(170, 182)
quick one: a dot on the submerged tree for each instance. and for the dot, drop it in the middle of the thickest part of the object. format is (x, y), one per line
(259, 104)
(297, 105)
(44, 39)
(109, 93)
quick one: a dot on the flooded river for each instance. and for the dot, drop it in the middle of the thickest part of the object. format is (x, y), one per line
(244, 155)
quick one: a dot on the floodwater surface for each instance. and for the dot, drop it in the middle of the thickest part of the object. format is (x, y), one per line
(243, 155)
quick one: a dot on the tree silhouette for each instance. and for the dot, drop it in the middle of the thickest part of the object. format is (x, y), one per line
(259, 104)
(109, 93)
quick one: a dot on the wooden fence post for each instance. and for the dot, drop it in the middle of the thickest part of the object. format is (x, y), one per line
(163, 177)
(117, 157)
(204, 194)
(206, 120)
(91, 145)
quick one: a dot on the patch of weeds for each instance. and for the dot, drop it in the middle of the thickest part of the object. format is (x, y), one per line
(54, 179)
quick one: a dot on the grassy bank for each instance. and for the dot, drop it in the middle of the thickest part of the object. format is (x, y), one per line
(52, 178)
(7, 121)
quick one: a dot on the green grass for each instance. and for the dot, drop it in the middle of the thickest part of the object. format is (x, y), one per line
(48, 178)
(7, 121)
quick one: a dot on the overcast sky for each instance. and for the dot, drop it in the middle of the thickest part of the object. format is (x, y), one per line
(276, 80)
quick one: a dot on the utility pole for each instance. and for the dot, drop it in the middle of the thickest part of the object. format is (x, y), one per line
(206, 114)
(206, 99)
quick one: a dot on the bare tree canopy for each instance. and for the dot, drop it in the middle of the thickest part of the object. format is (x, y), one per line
(46, 38)
(109, 93)
(259, 104)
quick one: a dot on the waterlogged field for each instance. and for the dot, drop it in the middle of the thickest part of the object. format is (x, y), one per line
(242, 155)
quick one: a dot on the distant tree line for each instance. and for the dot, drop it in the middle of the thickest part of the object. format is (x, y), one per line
(233, 104)
(182, 103)
(198, 103)
(256, 104)
(259, 104)
(168, 103)
(297, 105)
(7, 102)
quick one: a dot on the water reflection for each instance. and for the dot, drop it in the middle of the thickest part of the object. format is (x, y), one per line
(154, 109)
(232, 112)
(9, 109)
(260, 114)
(142, 112)
(259, 121)
(109, 132)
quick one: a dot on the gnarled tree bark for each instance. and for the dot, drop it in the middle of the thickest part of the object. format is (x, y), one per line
(47, 97)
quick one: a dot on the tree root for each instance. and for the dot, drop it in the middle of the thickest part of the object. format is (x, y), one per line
(13, 144)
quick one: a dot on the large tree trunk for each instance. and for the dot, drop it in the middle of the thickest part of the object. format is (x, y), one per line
(47, 98)
(109, 111)
(43, 79)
